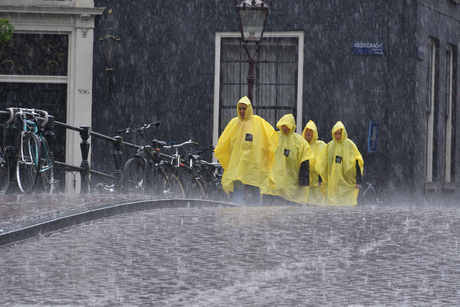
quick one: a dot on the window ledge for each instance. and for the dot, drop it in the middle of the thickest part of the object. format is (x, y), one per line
(430, 186)
(449, 186)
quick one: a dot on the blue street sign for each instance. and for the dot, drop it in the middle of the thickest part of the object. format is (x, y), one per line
(368, 48)
(373, 136)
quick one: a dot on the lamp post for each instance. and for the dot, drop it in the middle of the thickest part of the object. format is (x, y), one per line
(110, 42)
(253, 16)
(109, 46)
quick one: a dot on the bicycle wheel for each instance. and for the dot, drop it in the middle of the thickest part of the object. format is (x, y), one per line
(135, 176)
(47, 180)
(196, 190)
(4, 169)
(28, 164)
(172, 187)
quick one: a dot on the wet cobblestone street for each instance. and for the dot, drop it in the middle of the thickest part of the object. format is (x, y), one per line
(224, 256)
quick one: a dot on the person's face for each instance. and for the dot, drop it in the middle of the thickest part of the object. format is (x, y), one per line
(242, 109)
(309, 134)
(285, 129)
(338, 135)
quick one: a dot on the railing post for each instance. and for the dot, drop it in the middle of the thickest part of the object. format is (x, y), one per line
(118, 157)
(84, 147)
(50, 137)
(10, 134)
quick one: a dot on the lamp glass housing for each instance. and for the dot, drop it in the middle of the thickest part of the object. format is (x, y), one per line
(109, 46)
(253, 15)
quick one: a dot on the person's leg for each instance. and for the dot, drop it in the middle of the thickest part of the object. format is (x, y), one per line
(253, 194)
(269, 200)
(238, 193)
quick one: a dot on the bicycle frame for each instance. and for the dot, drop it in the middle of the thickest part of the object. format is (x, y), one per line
(148, 162)
(36, 160)
(29, 125)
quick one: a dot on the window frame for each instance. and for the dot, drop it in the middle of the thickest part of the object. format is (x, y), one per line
(432, 45)
(217, 64)
(449, 174)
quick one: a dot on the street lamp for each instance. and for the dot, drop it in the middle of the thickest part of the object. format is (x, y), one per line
(253, 16)
(110, 42)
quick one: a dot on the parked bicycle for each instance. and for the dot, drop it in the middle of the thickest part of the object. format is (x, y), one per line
(209, 175)
(4, 166)
(212, 174)
(34, 157)
(369, 196)
(183, 174)
(142, 172)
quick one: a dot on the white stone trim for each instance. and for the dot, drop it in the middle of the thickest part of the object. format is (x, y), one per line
(75, 19)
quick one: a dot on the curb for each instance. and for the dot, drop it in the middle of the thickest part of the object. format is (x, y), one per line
(60, 220)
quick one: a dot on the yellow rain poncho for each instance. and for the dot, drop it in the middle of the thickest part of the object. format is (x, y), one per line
(246, 151)
(317, 195)
(337, 163)
(292, 150)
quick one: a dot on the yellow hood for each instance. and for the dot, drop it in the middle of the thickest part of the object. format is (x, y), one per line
(311, 125)
(289, 121)
(336, 127)
(249, 112)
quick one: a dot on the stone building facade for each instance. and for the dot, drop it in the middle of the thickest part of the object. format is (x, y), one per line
(388, 62)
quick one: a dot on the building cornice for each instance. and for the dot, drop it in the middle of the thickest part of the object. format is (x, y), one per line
(27, 9)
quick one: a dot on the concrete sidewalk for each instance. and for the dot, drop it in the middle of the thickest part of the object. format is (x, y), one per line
(16, 208)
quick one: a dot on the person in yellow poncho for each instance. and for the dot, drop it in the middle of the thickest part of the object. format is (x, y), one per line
(342, 164)
(317, 193)
(292, 160)
(246, 151)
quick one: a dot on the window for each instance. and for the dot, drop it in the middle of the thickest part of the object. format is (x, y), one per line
(48, 65)
(278, 85)
(431, 109)
(449, 167)
(33, 74)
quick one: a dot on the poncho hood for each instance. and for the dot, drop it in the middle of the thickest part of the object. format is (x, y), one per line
(287, 120)
(249, 112)
(311, 125)
(336, 127)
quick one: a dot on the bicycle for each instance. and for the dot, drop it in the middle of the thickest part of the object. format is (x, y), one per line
(209, 175)
(212, 174)
(177, 184)
(371, 197)
(4, 165)
(34, 156)
(142, 172)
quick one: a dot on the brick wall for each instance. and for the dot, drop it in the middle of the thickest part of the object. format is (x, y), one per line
(166, 72)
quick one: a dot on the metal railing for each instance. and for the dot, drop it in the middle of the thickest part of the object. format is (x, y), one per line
(9, 129)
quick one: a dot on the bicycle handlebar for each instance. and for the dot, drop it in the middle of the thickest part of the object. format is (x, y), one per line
(33, 112)
(204, 150)
(182, 144)
(213, 164)
(141, 129)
